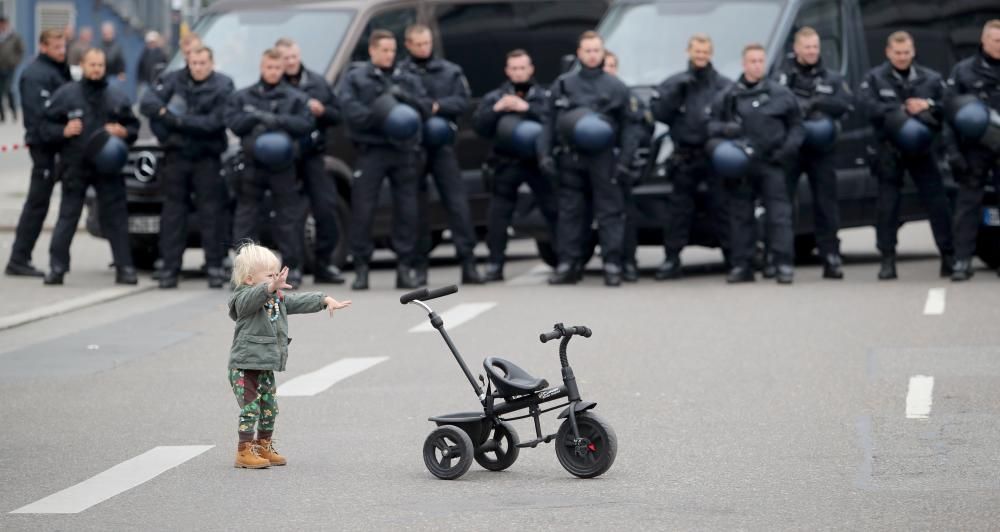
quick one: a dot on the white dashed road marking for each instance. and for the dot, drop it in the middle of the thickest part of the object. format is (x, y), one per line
(118, 479)
(320, 380)
(919, 396)
(456, 316)
(935, 302)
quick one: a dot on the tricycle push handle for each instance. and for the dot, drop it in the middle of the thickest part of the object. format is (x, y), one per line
(424, 294)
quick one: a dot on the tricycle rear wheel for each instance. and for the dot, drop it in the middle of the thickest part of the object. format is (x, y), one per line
(594, 453)
(500, 449)
(448, 452)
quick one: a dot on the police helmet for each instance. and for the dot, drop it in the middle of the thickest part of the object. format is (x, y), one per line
(107, 152)
(586, 130)
(821, 133)
(398, 120)
(730, 160)
(518, 136)
(274, 149)
(909, 134)
(969, 116)
(438, 132)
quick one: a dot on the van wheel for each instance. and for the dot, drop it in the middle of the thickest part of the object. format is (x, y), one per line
(988, 246)
(804, 247)
(343, 226)
(547, 252)
(145, 251)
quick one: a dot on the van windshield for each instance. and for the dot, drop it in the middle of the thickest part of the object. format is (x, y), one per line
(650, 38)
(238, 38)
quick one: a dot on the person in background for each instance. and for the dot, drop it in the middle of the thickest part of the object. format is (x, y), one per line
(113, 51)
(11, 54)
(153, 59)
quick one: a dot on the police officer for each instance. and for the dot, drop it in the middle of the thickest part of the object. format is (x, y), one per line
(268, 116)
(93, 124)
(39, 80)
(589, 114)
(903, 101)
(512, 116)
(977, 78)
(320, 187)
(764, 118)
(448, 89)
(684, 103)
(824, 99)
(384, 108)
(186, 108)
(637, 132)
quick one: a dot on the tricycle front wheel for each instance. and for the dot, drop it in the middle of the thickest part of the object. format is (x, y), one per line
(594, 453)
(448, 452)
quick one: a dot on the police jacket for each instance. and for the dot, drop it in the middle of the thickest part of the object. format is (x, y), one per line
(444, 82)
(200, 128)
(262, 107)
(768, 117)
(590, 88)
(685, 101)
(361, 85)
(316, 87)
(485, 119)
(820, 92)
(978, 75)
(885, 90)
(39, 81)
(94, 102)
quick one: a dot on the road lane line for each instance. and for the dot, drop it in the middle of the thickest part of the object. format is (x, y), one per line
(534, 276)
(69, 305)
(919, 396)
(320, 380)
(118, 479)
(456, 315)
(935, 302)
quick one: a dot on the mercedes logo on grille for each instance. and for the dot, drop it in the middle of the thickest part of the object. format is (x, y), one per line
(145, 166)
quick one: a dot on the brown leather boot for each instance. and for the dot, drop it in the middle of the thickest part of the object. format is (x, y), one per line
(266, 450)
(248, 456)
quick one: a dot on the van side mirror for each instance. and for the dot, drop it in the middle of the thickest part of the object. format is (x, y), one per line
(566, 63)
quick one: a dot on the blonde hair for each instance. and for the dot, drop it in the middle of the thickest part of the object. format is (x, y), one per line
(252, 258)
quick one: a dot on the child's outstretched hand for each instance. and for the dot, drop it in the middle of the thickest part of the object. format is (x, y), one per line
(278, 282)
(333, 305)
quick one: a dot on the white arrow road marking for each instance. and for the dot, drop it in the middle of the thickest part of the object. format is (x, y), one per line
(320, 380)
(919, 397)
(935, 302)
(118, 479)
(456, 316)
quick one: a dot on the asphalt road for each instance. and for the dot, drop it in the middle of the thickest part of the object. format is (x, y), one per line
(823, 405)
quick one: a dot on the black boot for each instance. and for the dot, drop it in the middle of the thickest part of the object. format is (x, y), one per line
(832, 267)
(630, 272)
(360, 276)
(785, 273)
(947, 265)
(126, 275)
(294, 278)
(23, 269)
(405, 280)
(216, 276)
(54, 277)
(493, 272)
(740, 274)
(168, 279)
(888, 269)
(962, 270)
(769, 271)
(670, 268)
(327, 273)
(612, 275)
(470, 274)
(566, 273)
(419, 274)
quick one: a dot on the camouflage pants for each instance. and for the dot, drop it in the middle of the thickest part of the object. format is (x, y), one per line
(255, 392)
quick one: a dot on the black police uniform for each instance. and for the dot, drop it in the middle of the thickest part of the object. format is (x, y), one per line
(637, 132)
(96, 104)
(979, 76)
(587, 176)
(39, 81)
(822, 94)
(380, 156)
(320, 187)
(188, 117)
(509, 169)
(251, 112)
(684, 104)
(445, 84)
(767, 116)
(883, 92)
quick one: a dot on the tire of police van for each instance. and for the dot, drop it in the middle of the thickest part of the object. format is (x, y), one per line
(804, 247)
(547, 251)
(145, 251)
(343, 224)
(988, 246)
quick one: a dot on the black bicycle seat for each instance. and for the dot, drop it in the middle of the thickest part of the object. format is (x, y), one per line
(511, 380)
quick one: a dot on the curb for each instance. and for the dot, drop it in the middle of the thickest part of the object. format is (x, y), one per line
(70, 305)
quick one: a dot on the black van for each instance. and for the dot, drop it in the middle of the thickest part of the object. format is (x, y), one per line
(650, 38)
(476, 34)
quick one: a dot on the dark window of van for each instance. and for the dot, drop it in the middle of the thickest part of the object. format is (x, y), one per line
(396, 21)
(824, 17)
(478, 36)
